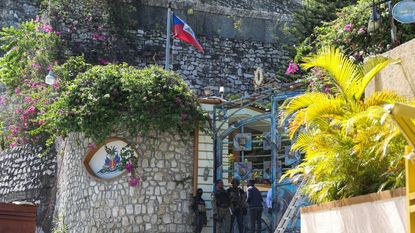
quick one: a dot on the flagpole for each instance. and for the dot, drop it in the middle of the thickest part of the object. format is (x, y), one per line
(168, 38)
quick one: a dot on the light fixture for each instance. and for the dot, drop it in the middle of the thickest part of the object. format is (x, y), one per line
(374, 20)
(221, 91)
(207, 91)
(50, 78)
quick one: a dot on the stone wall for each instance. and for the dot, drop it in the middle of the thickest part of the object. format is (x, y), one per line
(160, 204)
(259, 5)
(24, 176)
(15, 11)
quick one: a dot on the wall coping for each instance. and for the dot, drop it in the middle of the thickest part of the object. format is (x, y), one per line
(222, 11)
(379, 196)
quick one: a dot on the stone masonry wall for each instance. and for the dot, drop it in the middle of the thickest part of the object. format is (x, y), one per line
(15, 11)
(160, 204)
(24, 176)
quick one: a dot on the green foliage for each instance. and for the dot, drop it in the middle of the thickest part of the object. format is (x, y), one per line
(96, 100)
(29, 50)
(351, 145)
(349, 32)
(111, 98)
(313, 13)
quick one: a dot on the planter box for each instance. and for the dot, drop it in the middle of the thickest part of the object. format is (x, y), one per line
(382, 212)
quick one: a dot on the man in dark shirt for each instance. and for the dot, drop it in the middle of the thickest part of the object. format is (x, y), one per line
(199, 208)
(221, 208)
(254, 200)
(238, 204)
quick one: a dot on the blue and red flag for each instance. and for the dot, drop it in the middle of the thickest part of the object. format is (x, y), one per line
(184, 32)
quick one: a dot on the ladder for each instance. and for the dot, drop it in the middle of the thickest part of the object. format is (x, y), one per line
(291, 210)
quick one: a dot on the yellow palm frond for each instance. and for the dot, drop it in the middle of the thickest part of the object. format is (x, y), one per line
(302, 101)
(383, 97)
(371, 67)
(341, 69)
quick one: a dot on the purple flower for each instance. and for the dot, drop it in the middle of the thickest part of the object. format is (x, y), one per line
(361, 31)
(19, 111)
(184, 116)
(134, 181)
(348, 27)
(292, 68)
(17, 90)
(178, 100)
(37, 19)
(129, 166)
(58, 33)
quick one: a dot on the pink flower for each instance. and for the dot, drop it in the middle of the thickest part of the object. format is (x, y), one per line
(58, 33)
(103, 61)
(13, 145)
(56, 84)
(129, 166)
(47, 28)
(36, 66)
(348, 27)
(96, 36)
(3, 100)
(92, 146)
(19, 111)
(292, 68)
(46, 102)
(17, 90)
(37, 19)
(134, 181)
(30, 110)
(35, 84)
(41, 122)
(27, 99)
(361, 31)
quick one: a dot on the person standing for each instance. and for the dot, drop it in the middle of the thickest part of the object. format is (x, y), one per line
(254, 200)
(221, 208)
(199, 208)
(238, 205)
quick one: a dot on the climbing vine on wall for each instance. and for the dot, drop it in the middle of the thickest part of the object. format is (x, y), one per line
(97, 100)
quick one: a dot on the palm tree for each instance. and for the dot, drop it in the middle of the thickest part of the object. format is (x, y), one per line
(351, 145)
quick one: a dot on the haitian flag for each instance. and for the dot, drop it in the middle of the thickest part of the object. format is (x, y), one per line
(185, 33)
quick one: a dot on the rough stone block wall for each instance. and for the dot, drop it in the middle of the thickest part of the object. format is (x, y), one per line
(24, 176)
(15, 11)
(259, 5)
(228, 63)
(160, 204)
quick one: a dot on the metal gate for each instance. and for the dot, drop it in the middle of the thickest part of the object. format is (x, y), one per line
(220, 116)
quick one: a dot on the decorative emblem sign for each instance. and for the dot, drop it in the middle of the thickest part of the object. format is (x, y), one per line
(242, 142)
(108, 161)
(404, 11)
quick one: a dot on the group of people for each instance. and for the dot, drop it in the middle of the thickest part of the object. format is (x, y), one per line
(231, 205)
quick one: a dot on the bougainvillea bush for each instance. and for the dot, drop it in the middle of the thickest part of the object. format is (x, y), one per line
(349, 32)
(97, 100)
(108, 98)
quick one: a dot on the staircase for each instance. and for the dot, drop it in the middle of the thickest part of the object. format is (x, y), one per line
(292, 210)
